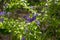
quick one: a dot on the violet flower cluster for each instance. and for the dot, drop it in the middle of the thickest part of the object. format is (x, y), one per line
(28, 19)
(2, 13)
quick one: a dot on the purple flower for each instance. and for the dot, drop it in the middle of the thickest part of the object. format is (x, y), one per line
(28, 19)
(33, 18)
(1, 19)
(2, 13)
(23, 38)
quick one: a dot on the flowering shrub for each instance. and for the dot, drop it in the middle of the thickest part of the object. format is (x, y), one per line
(42, 23)
(20, 28)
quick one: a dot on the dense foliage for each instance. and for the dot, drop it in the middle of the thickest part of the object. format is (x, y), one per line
(42, 21)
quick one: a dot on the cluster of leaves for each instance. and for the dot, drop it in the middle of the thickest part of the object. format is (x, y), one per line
(12, 5)
(19, 28)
